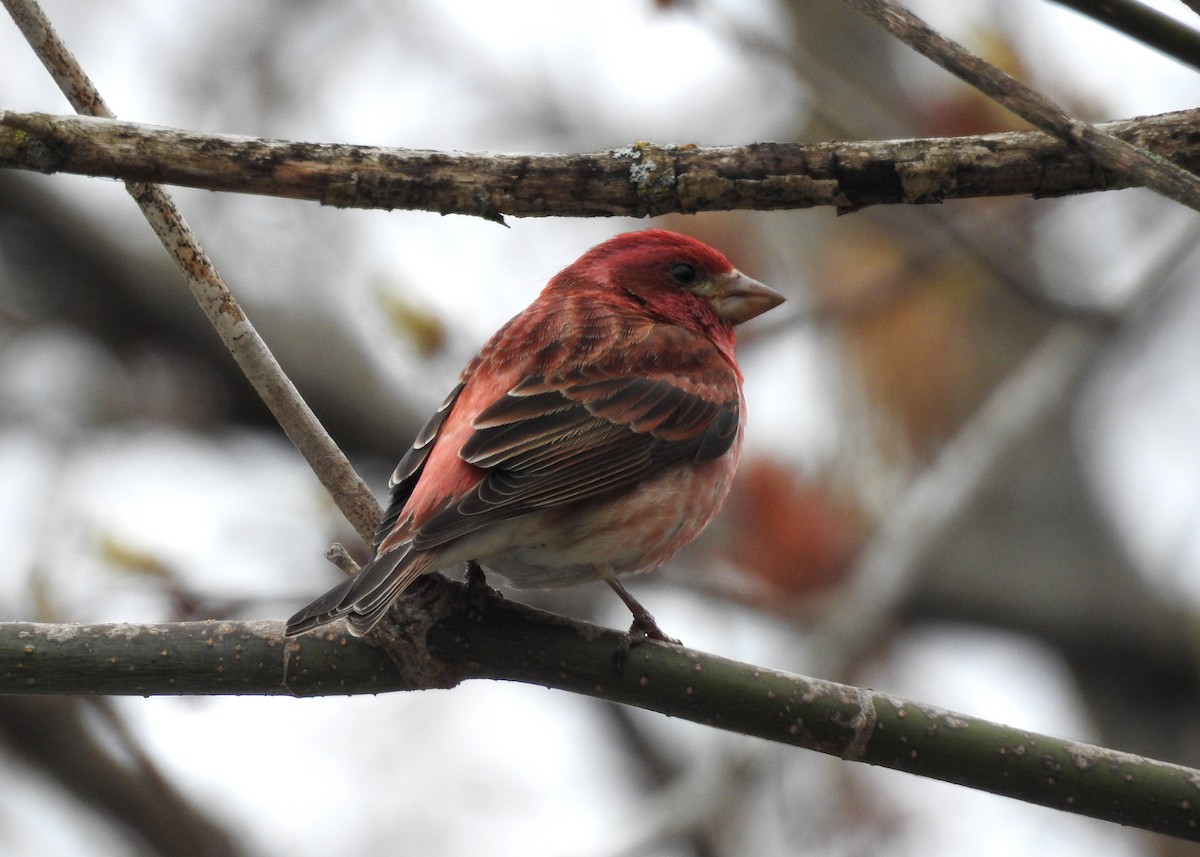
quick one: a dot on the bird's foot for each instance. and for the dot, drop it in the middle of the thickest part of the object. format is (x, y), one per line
(644, 626)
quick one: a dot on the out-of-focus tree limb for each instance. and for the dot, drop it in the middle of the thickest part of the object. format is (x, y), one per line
(639, 180)
(440, 636)
(1144, 23)
(57, 736)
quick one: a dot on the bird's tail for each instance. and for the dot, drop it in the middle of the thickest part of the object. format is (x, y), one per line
(365, 597)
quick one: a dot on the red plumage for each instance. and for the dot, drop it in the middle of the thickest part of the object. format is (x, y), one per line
(593, 436)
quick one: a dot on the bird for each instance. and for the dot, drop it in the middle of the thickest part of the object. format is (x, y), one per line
(592, 437)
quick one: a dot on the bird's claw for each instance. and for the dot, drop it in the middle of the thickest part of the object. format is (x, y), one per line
(643, 628)
(478, 591)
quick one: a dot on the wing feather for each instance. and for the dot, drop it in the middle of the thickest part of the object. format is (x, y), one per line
(408, 472)
(553, 441)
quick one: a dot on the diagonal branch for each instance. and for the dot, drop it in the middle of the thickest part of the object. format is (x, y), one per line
(250, 351)
(643, 179)
(892, 558)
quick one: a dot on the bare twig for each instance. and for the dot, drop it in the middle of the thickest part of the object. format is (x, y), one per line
(339, 556)
(298, 421)
(1144, 167)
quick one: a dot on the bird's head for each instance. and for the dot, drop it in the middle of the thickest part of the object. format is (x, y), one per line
(675, 278)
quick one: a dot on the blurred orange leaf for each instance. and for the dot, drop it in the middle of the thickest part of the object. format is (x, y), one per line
(793, 537)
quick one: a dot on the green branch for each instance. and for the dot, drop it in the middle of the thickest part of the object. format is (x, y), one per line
(440, 636)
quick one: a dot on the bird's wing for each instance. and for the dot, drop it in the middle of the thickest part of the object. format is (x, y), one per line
(561, 439)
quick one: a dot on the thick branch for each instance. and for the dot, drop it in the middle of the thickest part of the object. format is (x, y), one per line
(638, 180)
(440, 637)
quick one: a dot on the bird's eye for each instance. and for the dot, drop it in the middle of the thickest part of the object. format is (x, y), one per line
(683, 273)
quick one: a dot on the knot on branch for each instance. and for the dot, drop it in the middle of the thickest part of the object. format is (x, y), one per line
(404, 631)
(652, 172)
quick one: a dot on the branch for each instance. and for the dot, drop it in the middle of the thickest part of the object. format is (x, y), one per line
(1140, 165)
(441, 636)
(1145, 24)
(639, 180)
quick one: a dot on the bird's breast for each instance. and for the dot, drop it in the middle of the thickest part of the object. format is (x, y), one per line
(635, 530)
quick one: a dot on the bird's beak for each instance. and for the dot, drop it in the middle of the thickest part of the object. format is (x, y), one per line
(739, 298)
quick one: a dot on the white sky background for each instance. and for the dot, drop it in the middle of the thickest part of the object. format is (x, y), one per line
(516, 769)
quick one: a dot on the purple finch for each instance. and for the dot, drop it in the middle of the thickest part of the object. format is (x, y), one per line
(592, 437)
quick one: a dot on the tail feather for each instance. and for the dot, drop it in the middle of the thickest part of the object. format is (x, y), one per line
(365, 597)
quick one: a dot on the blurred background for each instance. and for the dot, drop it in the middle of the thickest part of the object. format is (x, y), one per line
(971, 477)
